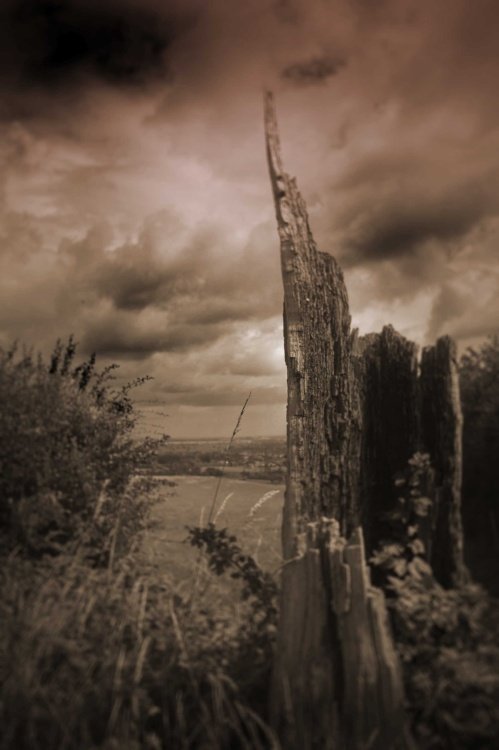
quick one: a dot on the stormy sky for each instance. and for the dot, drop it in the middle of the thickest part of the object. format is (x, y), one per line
(135, 206)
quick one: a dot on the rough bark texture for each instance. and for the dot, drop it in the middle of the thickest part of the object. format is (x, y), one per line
(323, 418)
(442, 436)
(357, 408)
(338, 679)
(357, 411)
(388, 381)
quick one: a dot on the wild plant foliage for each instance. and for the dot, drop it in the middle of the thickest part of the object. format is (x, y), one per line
(67, 456)
(224, 555)
(99, 649)
(447, 638)
(404, 553)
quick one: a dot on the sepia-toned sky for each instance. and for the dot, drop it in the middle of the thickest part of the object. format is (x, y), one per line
(135, 206)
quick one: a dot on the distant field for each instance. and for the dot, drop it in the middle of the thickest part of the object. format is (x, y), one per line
(258, 529)
(262, 459)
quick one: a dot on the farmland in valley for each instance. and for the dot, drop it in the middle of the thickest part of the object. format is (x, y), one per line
(251, 510)
(248, 458)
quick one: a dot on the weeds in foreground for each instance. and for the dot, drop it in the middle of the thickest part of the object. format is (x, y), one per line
(68, 464)
(255, 634)
(93, 658)
(258, 588)
(98, 651)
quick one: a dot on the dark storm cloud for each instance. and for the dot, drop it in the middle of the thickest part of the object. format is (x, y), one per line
(220, 308)
(195, 279)
(313, 71)
(401, 223)
(135, 277)
(395, 150)
(172, 290)
(125, 336)
(48, 46)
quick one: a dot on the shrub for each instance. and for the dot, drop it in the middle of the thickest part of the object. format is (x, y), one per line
(67, 457)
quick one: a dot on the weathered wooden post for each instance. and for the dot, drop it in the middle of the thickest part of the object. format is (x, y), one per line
(442, 424)
(357, 411)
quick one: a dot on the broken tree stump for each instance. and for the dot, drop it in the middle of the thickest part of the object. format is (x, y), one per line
(323, 412)
(338, 678)
(357, 410)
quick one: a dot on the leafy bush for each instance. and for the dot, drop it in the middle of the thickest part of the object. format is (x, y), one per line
(447, 639)
(67, 457)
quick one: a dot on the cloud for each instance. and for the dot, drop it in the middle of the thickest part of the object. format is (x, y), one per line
(173, 289)
(313, 71)
(193, 275)
(466, 302)
(48, 43)
(223, 371)
(395, 225)
(135, 209)
(203, 345)
(114, 335)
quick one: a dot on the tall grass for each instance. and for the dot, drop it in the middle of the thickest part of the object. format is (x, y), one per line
(95, 658)
(98, 649)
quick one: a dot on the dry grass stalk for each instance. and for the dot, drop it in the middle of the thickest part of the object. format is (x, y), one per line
(227, 451)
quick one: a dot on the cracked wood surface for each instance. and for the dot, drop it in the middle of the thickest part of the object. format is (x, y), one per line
(358, 409)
